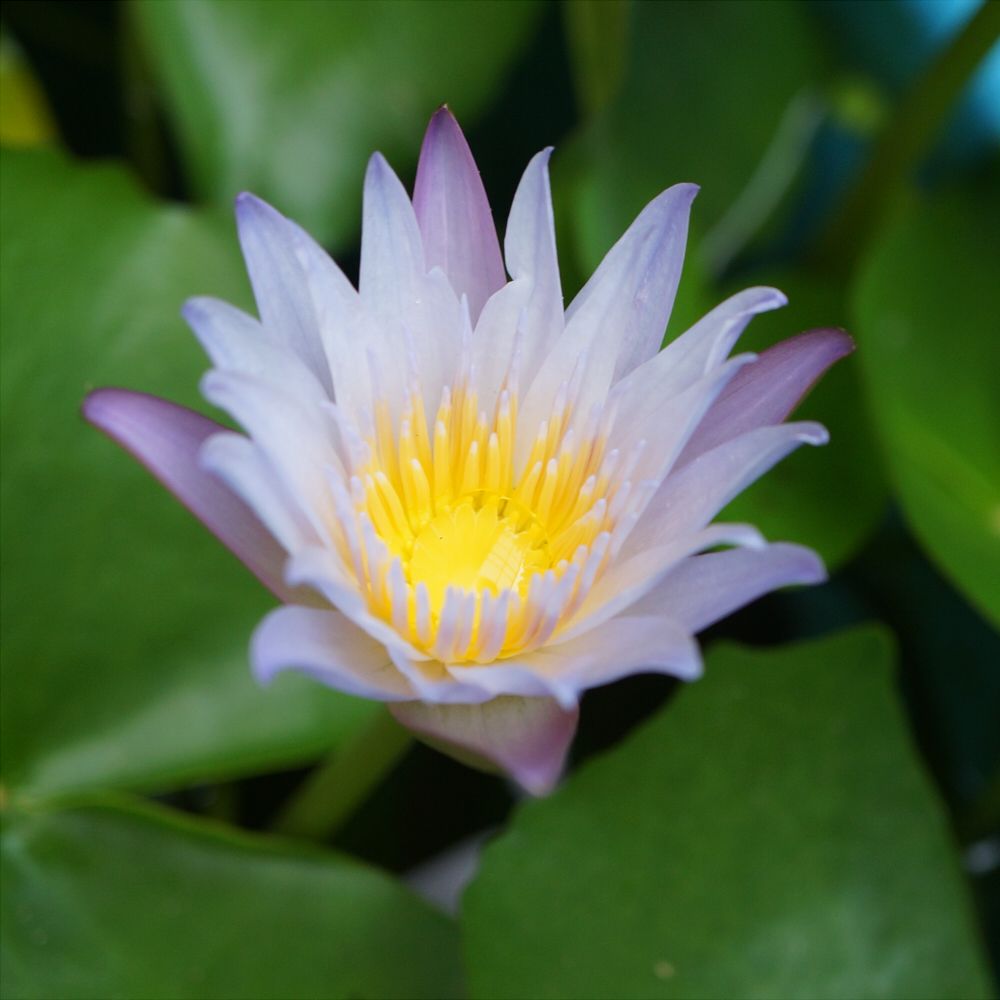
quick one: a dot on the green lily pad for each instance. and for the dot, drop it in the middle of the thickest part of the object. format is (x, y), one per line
(769, 834)
(288, 100)
(927, 304)
(679, 116)
(125, 901)
(125, 623)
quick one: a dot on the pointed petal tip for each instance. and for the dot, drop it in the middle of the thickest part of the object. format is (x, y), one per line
(195, 309)
(676, 198)
(252, 211)
(263, 673)
(453, 213)
(378, 166)
(838, 341)
(444, 119)
(98, 404)
(803, 567)
(106, 406)
(770, 298)
(809, 568)
(683, 193)
(751, 538)
(246, 202)
(814, 434)
(91, 403)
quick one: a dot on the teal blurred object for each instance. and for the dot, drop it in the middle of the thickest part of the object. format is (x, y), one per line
(893, 40)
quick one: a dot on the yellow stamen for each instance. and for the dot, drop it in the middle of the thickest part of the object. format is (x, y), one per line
(466, 559)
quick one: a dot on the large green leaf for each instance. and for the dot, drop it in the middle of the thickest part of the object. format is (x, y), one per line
(707, 87)
(769, 834)
(111, 901)
(289, 99)
(125, 623)
(927, 303)
(793, 500)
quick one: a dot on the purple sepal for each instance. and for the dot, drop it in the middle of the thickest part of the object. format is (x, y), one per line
(527, 738)
(166, 439)
(764, 393)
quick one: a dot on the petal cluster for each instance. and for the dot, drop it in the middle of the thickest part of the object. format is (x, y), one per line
(473, 503)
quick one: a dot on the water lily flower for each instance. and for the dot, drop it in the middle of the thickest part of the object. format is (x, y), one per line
(474, 504)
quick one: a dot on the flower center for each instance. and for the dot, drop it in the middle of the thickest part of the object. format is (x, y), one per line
(486, 541)
(468, 553)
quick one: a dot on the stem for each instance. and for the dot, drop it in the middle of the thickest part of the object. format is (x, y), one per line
(344, 781)
(903, 142)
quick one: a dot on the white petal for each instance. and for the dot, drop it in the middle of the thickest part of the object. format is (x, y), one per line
(530, 250)
(499, 341)
(626, 580)
(298, 440)
(321, 570)
(415, 314)
(689, 498)
(706, 588)
(434, 683)
(693, 354)
(666, 423)
(630, 296)
(618, 319)
(270, 246)
(621, 646)
(329, 648)
(392, 251)
(236, 342)
(345, 329)
(528, 738)
(246, 471)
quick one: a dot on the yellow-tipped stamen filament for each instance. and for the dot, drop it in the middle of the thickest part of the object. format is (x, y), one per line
(468, 557)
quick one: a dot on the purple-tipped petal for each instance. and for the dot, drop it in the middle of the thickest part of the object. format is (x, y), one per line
(454, 214)
(328, 647)
(167, 439)
(707, 588)
(527, 738)
(764, 393)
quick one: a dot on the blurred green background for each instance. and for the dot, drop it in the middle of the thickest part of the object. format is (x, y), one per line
(819, 817)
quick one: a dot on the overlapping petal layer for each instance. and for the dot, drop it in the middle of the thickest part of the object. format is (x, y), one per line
(474, 505)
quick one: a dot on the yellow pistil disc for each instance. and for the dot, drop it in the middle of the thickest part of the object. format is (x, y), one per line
(467, 558)
(483, 542)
